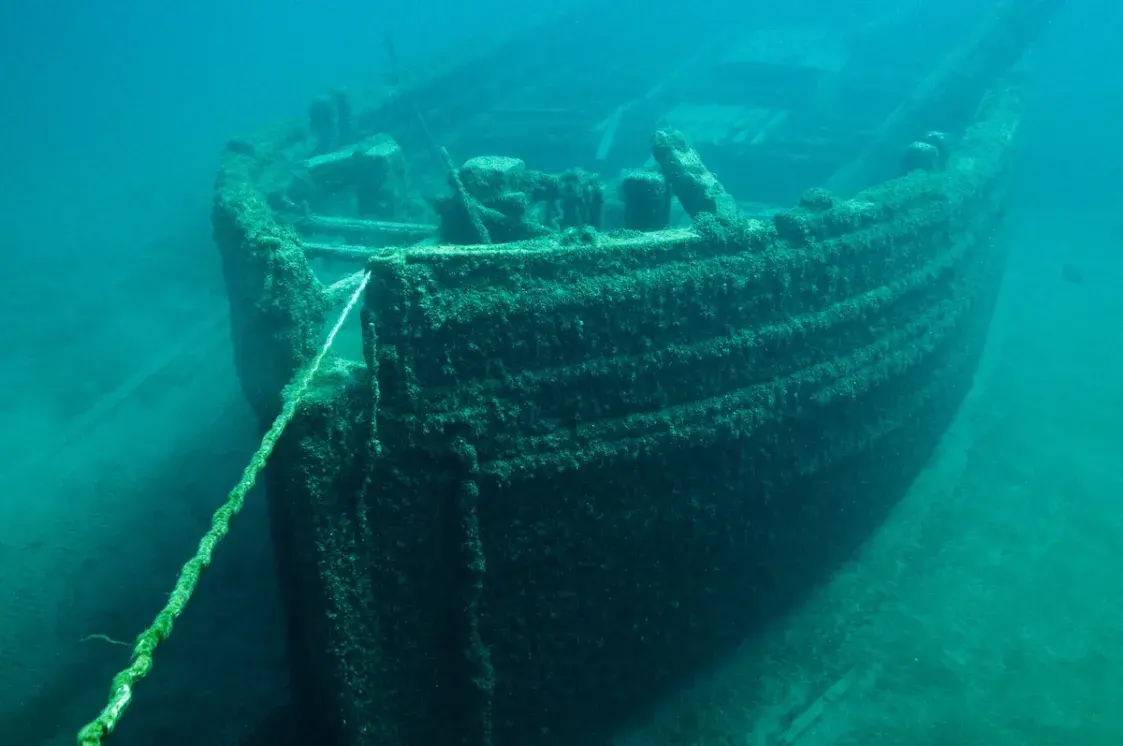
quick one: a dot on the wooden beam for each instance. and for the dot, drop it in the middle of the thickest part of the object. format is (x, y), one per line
(366, 231)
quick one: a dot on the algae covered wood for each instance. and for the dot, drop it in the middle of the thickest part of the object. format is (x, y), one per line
(557, 353)
(569, 472)
(572, 471)
(557, 477)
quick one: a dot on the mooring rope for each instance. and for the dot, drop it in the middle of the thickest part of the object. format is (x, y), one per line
(121, 692)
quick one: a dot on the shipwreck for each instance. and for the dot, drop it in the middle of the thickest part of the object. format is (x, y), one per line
(604, 410)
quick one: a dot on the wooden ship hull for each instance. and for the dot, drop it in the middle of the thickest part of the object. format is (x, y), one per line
(573, 453)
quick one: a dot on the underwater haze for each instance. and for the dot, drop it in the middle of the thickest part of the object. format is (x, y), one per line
(980, 605)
